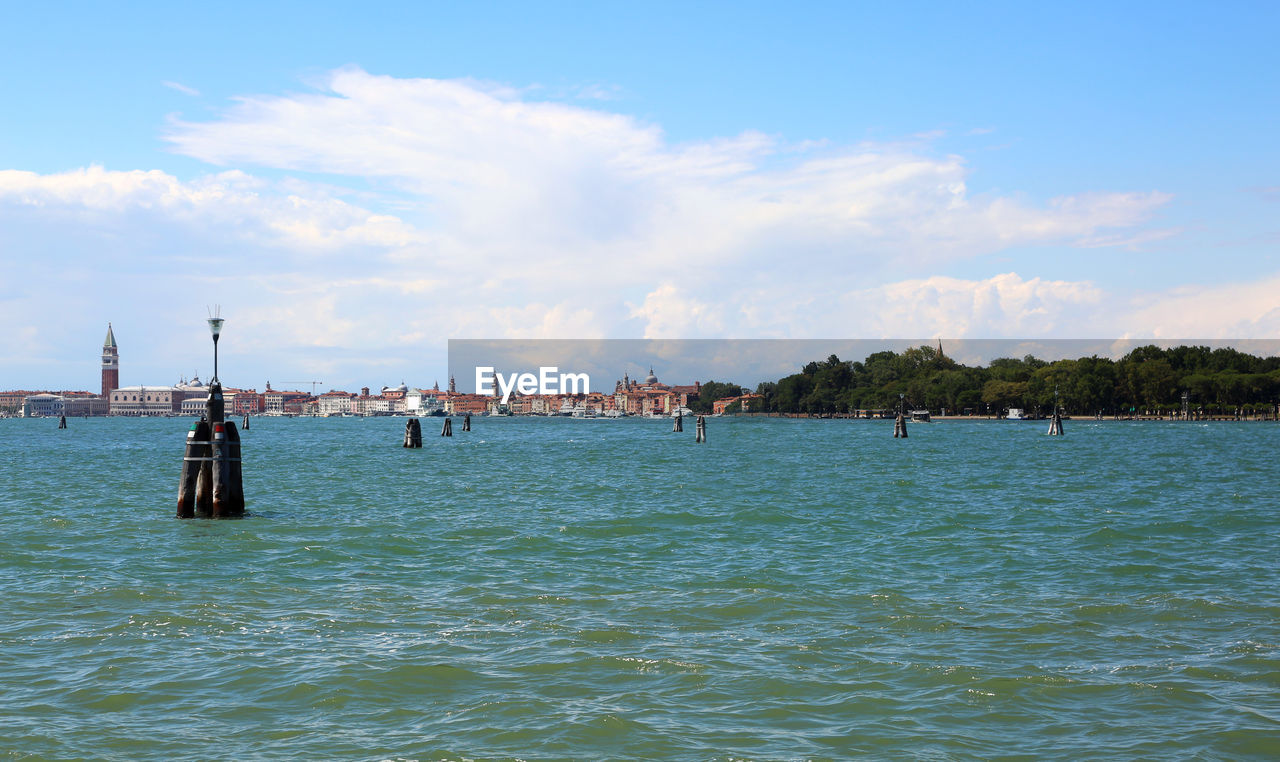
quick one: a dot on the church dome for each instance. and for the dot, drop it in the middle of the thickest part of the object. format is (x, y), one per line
(651, 378)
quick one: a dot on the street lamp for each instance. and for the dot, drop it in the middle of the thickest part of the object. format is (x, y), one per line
(215, 327)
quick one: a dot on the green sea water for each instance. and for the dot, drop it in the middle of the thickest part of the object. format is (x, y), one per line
(577, 589)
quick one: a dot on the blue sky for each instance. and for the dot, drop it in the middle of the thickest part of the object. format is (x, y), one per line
(376, 181)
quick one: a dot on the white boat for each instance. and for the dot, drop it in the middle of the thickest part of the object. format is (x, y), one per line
(1015, 414)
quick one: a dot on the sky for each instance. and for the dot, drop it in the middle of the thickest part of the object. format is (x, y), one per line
(356, 186)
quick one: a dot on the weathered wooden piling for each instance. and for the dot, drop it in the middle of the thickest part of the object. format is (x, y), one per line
(1055, 423)
(212, 482)
(679, 424)
(62, 421)
(466, 422)
(413, 433)
(204, 484)
(447, 431)
(196, 456)
(900, 427)
(245, 425)
(228, 487)
(700, 429)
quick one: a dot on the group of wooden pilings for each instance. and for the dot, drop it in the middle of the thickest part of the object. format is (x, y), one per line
(1055, 424)
(212, 484)
(700, 427)
(413, 430)
(900, 427)
(412, 433)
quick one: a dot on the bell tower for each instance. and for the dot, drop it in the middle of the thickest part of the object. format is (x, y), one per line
(110, 364)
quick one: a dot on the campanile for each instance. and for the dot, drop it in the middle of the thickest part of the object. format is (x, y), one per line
(110, 364)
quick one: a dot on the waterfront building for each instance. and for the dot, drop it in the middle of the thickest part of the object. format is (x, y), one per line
(335, 403)
(42, 405)
(424, 401)
(146, 400)
(243, 401)
(277, 402)
(746, 401)
(11, 402)
(461, 404)
(81, 404)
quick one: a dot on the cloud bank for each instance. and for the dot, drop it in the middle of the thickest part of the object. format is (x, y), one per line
(374, 217)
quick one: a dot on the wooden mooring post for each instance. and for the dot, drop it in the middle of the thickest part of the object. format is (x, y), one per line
(228, 485)
(700, 429)
(447, 431)
(679, 424)
(62, 421)
(193, 461)
(245, 425)
(1055, 423)
(413, 433)
(466, 422)
(212, 481)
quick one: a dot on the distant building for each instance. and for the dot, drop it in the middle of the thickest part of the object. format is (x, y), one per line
(335, 403)
(11, 402)
(278, 402)
(146, 400)
(42, 406)
(81, 404)
(745, 403)
(424, 401)
(460, 404)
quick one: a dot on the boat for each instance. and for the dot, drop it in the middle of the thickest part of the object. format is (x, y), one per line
(1016, 414)
(920, 416)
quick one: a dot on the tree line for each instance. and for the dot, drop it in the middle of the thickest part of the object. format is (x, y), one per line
(1147, 380)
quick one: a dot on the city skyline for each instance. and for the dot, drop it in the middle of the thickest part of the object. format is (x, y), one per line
(358, 187)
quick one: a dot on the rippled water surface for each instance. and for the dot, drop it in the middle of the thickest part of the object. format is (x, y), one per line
(549, 589)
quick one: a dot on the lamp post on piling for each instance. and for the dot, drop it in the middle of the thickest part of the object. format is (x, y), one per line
(215, 327)
(212, 481)
(214, 406)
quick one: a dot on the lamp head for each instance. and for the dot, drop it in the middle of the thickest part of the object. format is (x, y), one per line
(215, 326)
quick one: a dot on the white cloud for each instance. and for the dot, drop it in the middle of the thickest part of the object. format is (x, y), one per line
(419, 210)
(241, 205)
(181, 88)
(1231, 311)
(516, 178)
(1005, 305)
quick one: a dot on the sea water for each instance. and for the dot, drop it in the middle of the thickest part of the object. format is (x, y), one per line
(554, 588)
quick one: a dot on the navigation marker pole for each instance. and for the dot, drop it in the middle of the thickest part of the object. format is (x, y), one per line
(413, 433)
(212, 482)
(1055, 425)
